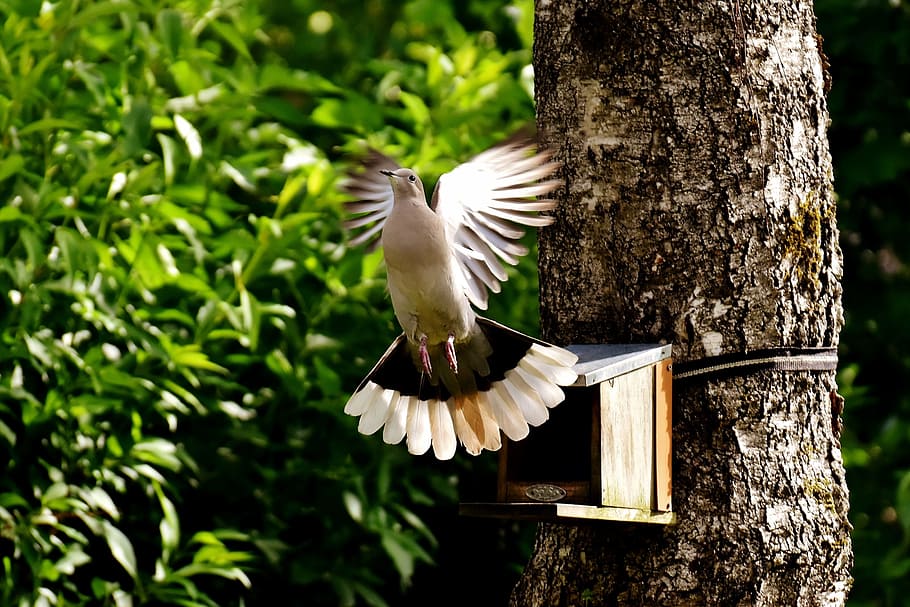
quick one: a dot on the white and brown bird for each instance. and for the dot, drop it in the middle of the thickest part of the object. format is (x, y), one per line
(453, 375)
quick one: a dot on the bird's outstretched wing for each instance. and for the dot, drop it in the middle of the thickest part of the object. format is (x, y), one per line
(374, 199)
(485, 202)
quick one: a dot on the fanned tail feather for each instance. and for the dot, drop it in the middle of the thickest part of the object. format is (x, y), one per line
(507, 382)
(419, 432)
(442, 430)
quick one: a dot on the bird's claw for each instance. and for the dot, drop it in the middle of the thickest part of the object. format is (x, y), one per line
(450, 353)
(425, 356)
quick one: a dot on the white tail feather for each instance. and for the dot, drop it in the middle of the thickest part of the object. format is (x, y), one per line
(549, 393)
(492, 439)
(396, 423)
(560, 356)
(533, 409)
(548, 370)
(463, 429)
(375, 415)
(442, 429)
(419, 435)
(507, 413)
(361, 400)
(522, 398)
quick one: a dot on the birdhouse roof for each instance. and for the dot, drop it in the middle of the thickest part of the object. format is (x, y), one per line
(598, 363)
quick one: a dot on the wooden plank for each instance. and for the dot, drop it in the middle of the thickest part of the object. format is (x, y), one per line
(601, 362)
(663, 436)
(560, 511)
(627, 440)
(597, 463)
(607, 513)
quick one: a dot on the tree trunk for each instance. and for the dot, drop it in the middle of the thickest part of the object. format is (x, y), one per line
(698, 210)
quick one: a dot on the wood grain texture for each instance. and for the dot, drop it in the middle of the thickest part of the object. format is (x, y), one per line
(663, 436)
(698, 210)
(627, 440)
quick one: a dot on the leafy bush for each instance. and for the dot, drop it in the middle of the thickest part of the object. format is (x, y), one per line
(181, 319)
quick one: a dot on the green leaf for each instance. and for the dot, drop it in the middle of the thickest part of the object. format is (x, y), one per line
(370, 596)
(7, 434)
(137, 126)
(99, 499)
(416, 107)
(169, 528)
(190, 136)
(191, 355)
(251, 315)
(353, 505)
(39, 350)
(402, 557)
(282, 110)
(231, 573)
(73, 558)
(139, 251)
(232, 37)
(902, 503)
(157, 451)
(49, 124)
(95, 11)
(329, 381)
(280, 77)
(11, 165)
(13, 500)
(169, 156)
(353, 113)
(170, 26)
(186, 77)
(292, 188)
(121, 548)
(26, 8)
(77, 252)
(10, 213)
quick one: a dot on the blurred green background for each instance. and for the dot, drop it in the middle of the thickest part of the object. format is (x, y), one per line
(182, 321)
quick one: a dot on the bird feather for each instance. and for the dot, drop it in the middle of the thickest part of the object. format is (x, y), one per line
(532, 407)
(507, 414)
(396, 423)
(442, 429)
(419, 434)
(549, 393)
(375, 415)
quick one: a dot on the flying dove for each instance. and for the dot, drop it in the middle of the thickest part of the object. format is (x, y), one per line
(453, 374)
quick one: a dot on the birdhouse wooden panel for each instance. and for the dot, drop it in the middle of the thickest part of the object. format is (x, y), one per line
(605, 452)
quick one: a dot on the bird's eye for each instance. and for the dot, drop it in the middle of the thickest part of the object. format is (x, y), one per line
(412, 178)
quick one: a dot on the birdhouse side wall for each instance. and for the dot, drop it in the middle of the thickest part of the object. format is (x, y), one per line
(627, 430)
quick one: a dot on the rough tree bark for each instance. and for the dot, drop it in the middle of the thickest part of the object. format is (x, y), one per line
(699, 210)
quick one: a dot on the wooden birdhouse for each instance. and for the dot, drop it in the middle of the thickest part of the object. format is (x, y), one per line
(605, 452)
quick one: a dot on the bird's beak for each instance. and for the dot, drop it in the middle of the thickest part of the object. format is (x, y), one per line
(387, 173)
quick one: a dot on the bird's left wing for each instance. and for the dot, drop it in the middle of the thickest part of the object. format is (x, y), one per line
(374, 199)
(486, 202)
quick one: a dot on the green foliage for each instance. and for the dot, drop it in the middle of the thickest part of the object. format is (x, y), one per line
(182, 323)
(181, 320)
(867, 43)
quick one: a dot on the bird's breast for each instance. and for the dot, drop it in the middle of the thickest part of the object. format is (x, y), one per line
(415, 239)
(426, 291)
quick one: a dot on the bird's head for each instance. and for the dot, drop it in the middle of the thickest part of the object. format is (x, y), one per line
(405, 182)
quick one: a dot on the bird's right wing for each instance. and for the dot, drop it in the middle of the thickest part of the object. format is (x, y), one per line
(486, 202)
(374, 199)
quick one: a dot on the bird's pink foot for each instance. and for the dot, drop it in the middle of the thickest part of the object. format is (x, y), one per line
(425, 356)
(450, 353)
